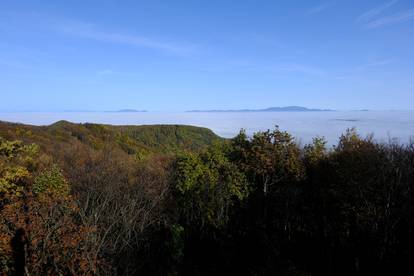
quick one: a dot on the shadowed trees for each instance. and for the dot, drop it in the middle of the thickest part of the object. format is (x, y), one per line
(39, 233)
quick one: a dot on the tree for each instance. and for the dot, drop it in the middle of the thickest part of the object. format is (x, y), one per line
(38, 230)
(207, 185)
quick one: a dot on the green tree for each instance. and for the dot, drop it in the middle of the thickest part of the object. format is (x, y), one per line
(316, 151)
(51, 181)
(207, 185)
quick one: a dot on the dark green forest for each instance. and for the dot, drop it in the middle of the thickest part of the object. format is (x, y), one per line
(90, 199)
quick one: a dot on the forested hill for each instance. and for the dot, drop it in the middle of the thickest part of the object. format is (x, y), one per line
(138, 140)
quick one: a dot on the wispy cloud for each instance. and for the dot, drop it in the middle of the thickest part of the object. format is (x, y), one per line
(371, 19)
(319, 8)
(367, 16)
(13, 64)
(376, 63)
(90, 31)
(80, 29)
(106, 72)
(113, 73)
(392, 19)
(299, 69)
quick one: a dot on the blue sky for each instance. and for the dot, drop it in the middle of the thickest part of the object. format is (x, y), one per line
(215, 54)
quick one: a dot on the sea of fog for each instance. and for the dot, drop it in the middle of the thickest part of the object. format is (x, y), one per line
(385, 125)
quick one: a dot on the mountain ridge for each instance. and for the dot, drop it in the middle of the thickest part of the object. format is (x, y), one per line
(132, 139)
(292, 108)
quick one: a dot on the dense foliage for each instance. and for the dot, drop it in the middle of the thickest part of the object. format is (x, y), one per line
(139, 141)
(169, 200)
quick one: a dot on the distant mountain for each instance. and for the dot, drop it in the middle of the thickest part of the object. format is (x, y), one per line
(292, 108)
(270, 109)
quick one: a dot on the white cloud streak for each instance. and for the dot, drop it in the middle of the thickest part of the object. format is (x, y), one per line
(79, 29)
(13, 64)
(367, 16)
(376, 63)
(318, 9)
(299, 69)
(391, 20)
(371, 19)
(89, 31)
(104, 73)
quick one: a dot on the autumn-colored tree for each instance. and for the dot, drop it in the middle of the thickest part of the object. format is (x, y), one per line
(39, 234)
(269, 158)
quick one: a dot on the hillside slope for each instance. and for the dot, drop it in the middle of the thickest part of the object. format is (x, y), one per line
(139, 140)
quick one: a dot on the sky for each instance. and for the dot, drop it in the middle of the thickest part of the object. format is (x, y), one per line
(214, 54)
